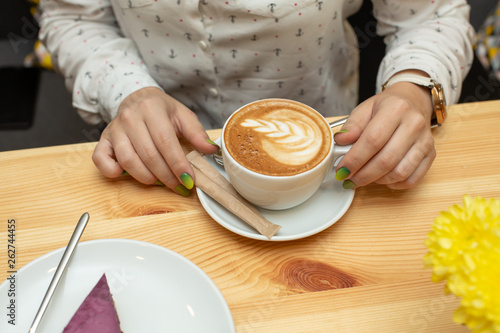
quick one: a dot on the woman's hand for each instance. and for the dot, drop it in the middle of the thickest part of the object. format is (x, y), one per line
(143, 140)
(393, 140)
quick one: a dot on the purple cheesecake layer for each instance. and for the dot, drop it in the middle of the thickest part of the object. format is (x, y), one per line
(97, 313)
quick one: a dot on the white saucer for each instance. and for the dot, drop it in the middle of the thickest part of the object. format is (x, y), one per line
(322, 210)
(154, 289)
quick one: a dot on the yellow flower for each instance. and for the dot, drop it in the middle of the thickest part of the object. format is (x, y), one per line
(464, 250)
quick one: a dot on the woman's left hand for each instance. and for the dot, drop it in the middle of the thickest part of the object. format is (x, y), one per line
(393, 143)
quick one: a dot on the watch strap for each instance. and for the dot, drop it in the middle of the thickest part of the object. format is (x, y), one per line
(413, 78)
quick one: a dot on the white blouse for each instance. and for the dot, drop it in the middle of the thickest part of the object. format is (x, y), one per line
(215, 56)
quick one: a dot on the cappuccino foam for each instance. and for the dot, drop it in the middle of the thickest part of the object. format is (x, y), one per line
(277, 137)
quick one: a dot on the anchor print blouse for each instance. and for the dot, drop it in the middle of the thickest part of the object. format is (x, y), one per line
(215, 56)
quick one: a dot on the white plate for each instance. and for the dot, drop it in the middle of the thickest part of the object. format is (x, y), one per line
(154, 289)
(319, 212)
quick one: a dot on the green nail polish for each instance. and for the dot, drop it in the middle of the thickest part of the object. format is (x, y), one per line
(348, 184)
(159, 183)
(341, 131)
(212, 143)
(187, 180)
(342, 173)
(182, 190)
(125, 173)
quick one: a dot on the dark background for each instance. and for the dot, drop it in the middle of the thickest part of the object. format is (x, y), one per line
(35, 107)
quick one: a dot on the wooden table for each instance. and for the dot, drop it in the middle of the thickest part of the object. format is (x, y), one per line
(363, 274)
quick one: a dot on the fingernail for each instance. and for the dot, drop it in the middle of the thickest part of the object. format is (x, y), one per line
(348, 184)
(187, 180)
(182, 190)
(159, 183)
(342, 173)
(341, 131)
(212, 143)
(125, 173)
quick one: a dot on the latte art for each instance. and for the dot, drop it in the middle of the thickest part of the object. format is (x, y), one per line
(288, 142)
(277, 137)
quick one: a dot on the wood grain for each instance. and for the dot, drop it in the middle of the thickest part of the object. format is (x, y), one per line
(363, 274)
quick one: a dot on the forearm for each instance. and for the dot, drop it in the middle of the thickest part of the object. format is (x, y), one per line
(433, 38)
(100, 66)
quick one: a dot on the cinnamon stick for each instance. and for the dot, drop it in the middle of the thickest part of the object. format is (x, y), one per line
(215, 185)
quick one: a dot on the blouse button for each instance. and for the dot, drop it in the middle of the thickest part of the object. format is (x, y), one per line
(203, 45)
(213, 92)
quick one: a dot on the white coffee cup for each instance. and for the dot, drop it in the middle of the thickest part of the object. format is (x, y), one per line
(280, 192)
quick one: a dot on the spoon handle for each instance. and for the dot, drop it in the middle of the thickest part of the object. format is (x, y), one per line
(339, 122)
(61, 268)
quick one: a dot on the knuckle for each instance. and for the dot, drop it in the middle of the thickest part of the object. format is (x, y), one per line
(147, 103)
(388, 161)
(164, 140)
(148, 155)
(411, 182)
(373, 141)
(417, 125)
(420, 123)
(127, 117)
(126, 159)
(401, 173)
(148, 106)
(402, 105)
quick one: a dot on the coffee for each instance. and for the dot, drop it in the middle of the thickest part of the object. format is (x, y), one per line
(277, 137)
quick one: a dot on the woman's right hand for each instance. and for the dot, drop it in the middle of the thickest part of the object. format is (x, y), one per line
(143, 140)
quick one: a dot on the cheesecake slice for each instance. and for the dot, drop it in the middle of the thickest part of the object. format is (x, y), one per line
(97, 313)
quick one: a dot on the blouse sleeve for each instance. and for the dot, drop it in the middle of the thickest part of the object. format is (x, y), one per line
(433, 36)
(101, 67)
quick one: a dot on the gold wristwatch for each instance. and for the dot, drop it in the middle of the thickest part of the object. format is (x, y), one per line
(438, 99)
